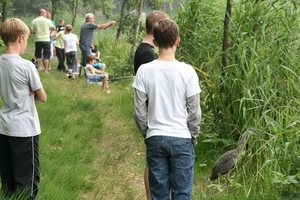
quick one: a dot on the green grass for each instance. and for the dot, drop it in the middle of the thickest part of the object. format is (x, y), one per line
(90, 147)
(89, 142)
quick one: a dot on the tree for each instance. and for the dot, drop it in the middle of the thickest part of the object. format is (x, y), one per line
(74, 8)
(137, 27)
(139, 5)
(226, 37)
(4, 9)
(122, 15)
(55, 6)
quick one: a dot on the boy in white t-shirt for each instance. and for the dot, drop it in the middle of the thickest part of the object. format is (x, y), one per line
(20, 87)
(167, 113)
(96, 75)
(71, 42)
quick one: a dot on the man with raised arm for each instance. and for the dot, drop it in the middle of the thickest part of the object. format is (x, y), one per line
(87, 35)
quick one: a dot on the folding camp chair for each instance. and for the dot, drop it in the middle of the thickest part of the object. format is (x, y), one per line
(89, 80)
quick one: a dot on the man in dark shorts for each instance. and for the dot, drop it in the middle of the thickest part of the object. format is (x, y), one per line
(41, 26)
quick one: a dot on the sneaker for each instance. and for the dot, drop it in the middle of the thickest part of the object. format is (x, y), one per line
(41, 68)
(69, 73)
(107, 90)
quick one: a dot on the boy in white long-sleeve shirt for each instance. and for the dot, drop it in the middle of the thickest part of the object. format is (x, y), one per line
(167, 113)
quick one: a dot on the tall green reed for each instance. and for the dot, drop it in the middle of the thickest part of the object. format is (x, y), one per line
(261, 88)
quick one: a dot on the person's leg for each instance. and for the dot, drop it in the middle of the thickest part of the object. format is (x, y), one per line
(181, 168)
(74, 63)
(85, 50)
(38, 54)
(157, 160)
(63, 59)
(25, 159)
(51, 54)
(98, 55)
(39, 63)
(68, 58)
(6, 168)
(46, 55)
(146, 181)
(59, 58)
(46, 63)
(97, 78)
(69, 64)
(105, 83)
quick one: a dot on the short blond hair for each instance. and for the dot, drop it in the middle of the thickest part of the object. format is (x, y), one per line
(11, 29)
(69, 28)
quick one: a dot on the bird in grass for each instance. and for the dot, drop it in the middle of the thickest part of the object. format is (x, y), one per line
(227, 161)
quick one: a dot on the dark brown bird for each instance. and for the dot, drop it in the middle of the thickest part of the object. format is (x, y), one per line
(227, 161)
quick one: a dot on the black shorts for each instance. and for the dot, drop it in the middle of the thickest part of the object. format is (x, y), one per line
(19, 164)
(42, 47)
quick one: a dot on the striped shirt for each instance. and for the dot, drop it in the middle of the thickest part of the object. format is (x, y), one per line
(87, 33)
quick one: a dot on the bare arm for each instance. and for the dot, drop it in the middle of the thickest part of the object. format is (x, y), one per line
(106, 25)
(100, 71)
(32, 31)
(53, 32)
(39, 95)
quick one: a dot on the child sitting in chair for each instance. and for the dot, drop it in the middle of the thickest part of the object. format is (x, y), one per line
(94, 74)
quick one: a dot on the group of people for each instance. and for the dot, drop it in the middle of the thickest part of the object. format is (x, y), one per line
(66, 42)
(87, 47)
(166, 103)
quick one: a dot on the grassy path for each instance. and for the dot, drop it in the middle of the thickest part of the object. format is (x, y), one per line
(89, 142)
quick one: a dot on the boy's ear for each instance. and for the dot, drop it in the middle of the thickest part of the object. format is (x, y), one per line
(155, 43)
(20, 38)
(177, 41)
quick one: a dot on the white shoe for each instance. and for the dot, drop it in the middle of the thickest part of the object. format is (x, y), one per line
(107, 90)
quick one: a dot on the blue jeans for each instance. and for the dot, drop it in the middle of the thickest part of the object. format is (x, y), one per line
(97, 78)
(171, 167)
(72, 61)
(85, 50)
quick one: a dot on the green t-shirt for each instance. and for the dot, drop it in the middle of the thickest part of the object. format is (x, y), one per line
(59, 40)
(41, 26)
